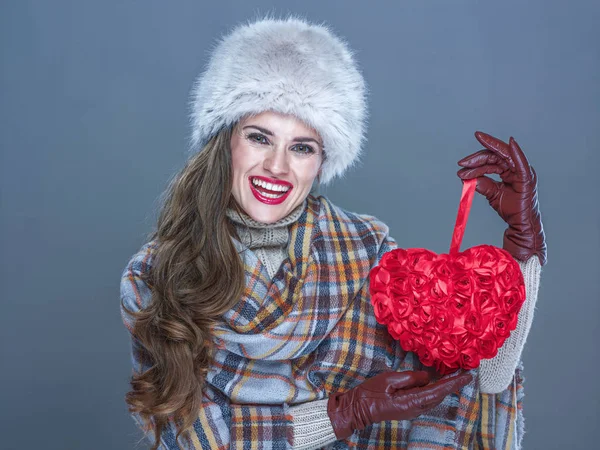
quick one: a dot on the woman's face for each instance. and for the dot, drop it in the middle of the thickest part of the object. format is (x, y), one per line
(275, 159)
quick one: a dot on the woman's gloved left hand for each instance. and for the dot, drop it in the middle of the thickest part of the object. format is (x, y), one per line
(514, 198)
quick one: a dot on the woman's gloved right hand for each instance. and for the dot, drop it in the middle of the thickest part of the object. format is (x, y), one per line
(389, 396)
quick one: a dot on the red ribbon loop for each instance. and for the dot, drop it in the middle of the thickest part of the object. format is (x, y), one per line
(464, 207)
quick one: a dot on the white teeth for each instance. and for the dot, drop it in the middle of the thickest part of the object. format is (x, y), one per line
(272, 195)
(270, 186)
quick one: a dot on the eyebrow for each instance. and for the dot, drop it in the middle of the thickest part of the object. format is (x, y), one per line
(296, 139)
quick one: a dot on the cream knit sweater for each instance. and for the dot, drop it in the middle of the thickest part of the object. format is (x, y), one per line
(312, 427)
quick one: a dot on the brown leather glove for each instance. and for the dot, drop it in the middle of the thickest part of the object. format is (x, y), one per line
(389, 396)
(514, 198)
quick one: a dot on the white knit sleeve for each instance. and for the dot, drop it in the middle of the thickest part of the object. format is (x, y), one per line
(496, 374)
(311, 425)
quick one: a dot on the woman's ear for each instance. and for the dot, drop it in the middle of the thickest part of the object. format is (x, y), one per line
(320, 172)
(316, 182)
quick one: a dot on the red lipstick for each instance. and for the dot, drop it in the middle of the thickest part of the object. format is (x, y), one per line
(259, 192)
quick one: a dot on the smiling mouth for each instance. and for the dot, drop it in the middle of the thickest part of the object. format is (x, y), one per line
(270, 189)
(269, 192)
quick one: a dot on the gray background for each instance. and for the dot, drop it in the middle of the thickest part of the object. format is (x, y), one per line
(93, 123)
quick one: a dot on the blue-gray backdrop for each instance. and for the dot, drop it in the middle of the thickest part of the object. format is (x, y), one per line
(93, 123)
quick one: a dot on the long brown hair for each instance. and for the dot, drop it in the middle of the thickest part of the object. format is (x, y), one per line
(196, 276)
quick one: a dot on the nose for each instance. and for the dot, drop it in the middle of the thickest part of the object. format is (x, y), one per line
(277, 162)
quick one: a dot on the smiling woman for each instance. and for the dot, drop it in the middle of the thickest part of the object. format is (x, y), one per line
(249, 310)
(273, 164)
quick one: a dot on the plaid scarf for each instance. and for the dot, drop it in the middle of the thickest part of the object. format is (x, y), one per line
(310, 331)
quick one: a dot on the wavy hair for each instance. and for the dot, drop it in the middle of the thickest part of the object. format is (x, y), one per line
(196, 276)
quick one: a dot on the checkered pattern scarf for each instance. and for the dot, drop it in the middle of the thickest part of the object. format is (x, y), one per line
(311, 331)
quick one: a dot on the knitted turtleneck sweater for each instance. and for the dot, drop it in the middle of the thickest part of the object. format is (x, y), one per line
(268, 241)
(311, 424)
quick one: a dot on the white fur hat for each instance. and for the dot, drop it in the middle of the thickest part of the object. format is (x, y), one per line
(288, 66)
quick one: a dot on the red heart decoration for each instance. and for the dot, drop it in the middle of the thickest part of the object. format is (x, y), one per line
(454, 309)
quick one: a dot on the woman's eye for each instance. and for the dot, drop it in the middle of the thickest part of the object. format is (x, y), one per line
(303, 148)
(255, 137)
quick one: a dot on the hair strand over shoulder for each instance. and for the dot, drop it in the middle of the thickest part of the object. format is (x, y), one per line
(196, 276)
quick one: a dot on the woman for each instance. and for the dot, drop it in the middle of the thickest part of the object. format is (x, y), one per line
(248, 307)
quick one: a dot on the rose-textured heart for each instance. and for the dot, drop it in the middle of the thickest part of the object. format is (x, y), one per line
(453, 309)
